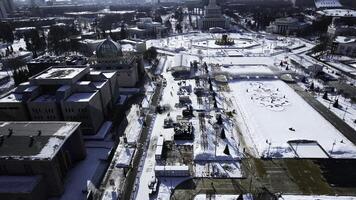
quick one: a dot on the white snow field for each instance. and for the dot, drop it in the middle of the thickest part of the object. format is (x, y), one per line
(222, 196)
(314, 197)
(272, 115)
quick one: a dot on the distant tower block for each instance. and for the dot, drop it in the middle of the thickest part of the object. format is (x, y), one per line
(213, 17)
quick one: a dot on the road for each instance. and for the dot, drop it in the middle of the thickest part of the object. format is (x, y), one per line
(338, 123)
(141, 147)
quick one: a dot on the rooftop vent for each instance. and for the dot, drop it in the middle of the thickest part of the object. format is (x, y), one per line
(32, 140)
(10, 132)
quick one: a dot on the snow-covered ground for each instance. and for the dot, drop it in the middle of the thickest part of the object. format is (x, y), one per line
(347, 111)
(77, 178)
(222, 197)
(167, 185)
(274, 120)
(249, 45)
(273, 115)
(239, 43)
(342, 67)
(208, 146)
(337, 12)
(218, 169)
(315, 197)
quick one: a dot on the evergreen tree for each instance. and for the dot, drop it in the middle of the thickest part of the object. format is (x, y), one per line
(226, 150)
(179, 28)
(304, 79)
(123, 32)
(59, 38)
(325, 96)
(158, 18)
(168, 24)
(6, 33)
(150, 54)
(20, 76)
(222, 134)
(336, 103)
(215, 104)
(219, 120)
(312, 87)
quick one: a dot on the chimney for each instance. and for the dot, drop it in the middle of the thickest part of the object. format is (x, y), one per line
(10, 132)
(32, 139)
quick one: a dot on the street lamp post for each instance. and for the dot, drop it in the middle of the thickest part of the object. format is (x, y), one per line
(332, 149)
(343, 118)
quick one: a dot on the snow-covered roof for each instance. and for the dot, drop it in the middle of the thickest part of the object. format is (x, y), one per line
(344, 40)
(81, 97)
(34, 140)
(99, 84)
(13, 97)
(109, 74)
(125, 156)
(327, 3)
(171, 168)
(180, 61)
(338, 12)
(60, 73)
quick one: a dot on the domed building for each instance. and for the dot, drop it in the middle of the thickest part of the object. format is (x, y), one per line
(110, 57)
(108, 51)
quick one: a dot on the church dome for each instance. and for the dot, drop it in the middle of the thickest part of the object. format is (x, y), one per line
(108, 49)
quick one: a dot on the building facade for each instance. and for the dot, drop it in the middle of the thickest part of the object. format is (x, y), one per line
(213, 17)
(286, 26)
(36, 156)
(147, 28)
(63, 93)
(344, 46)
